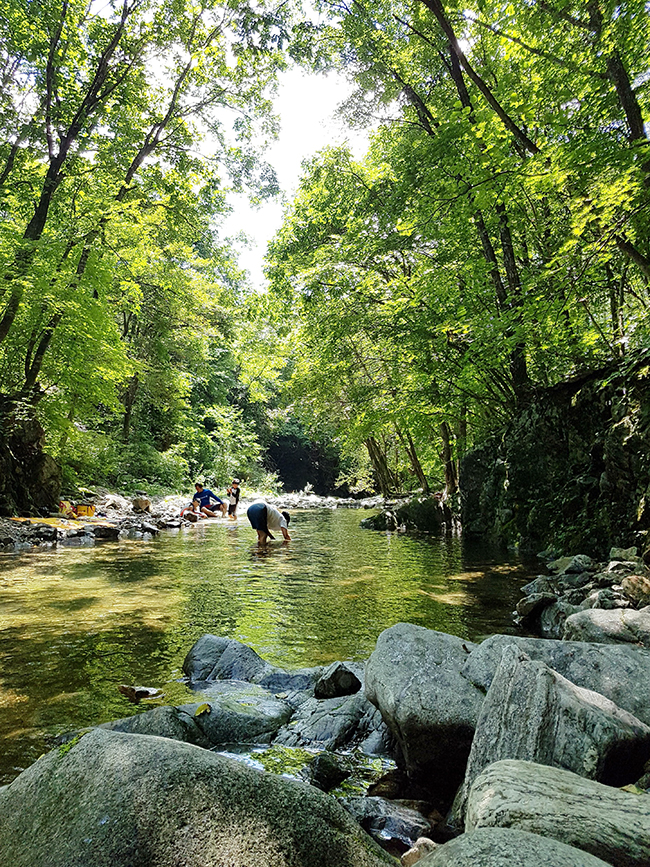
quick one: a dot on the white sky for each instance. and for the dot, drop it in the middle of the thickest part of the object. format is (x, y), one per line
(306, 104)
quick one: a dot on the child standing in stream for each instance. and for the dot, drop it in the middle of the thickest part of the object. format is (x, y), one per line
(234, 492)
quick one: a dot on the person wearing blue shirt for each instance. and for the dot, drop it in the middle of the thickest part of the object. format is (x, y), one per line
(204, 496)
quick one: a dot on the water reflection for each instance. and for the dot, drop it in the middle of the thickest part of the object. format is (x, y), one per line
(78, 622)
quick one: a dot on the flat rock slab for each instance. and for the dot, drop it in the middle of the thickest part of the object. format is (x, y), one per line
(164, 722)
(607, 822)
(121, 800)
(496, 847)
(233, 719)
(619, 672)
(414, 677)
(621, 625)
(229, 712)
(533, 713)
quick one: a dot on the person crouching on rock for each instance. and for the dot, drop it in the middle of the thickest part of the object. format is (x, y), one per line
(192, 512)
(265, 518)
(205, 497)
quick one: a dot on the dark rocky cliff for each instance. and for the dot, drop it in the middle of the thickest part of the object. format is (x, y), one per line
(572, 471)
(30, 480)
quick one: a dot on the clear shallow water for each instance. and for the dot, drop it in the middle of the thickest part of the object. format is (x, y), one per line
(75, 623)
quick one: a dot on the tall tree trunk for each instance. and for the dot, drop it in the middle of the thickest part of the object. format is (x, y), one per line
(616, 301)
(411, 452)
(451, 478)
(385, 477)
(129, 400)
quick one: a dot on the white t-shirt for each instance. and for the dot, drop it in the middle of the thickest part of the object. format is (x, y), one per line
(274, 519)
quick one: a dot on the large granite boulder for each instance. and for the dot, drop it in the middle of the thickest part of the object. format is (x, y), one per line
(121, 800)
(609, 627)
(619, 672)
(496, 847)
(414, 677)
(531, 712)
(609, 823)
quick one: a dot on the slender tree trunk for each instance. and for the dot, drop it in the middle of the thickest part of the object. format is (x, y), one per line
(129, 400)
(451, 478)
(411, 452)
(616, 302)
(385, 476)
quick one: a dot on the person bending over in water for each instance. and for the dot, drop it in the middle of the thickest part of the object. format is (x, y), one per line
(265, 518)
(204, 496)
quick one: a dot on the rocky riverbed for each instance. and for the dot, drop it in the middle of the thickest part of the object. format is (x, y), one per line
(520, 750)
(139, 517)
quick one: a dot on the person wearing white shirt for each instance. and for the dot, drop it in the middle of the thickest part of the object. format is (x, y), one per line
(265, 518)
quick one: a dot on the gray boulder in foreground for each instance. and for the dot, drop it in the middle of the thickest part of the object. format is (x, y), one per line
(609, 627)
(609, 823)
(621, 672)
(498, 847)
(413, 677)
(121, 800)
(533, 713)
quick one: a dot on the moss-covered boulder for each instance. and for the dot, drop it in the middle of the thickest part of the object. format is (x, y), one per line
(122, 800)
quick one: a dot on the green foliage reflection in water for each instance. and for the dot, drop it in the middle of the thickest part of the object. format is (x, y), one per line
(78, 623)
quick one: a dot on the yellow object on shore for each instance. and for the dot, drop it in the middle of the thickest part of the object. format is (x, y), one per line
(66, 523)
(86, 510)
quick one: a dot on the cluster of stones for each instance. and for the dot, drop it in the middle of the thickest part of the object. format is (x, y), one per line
(16, 536)
(584, 600)
(535, 751)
